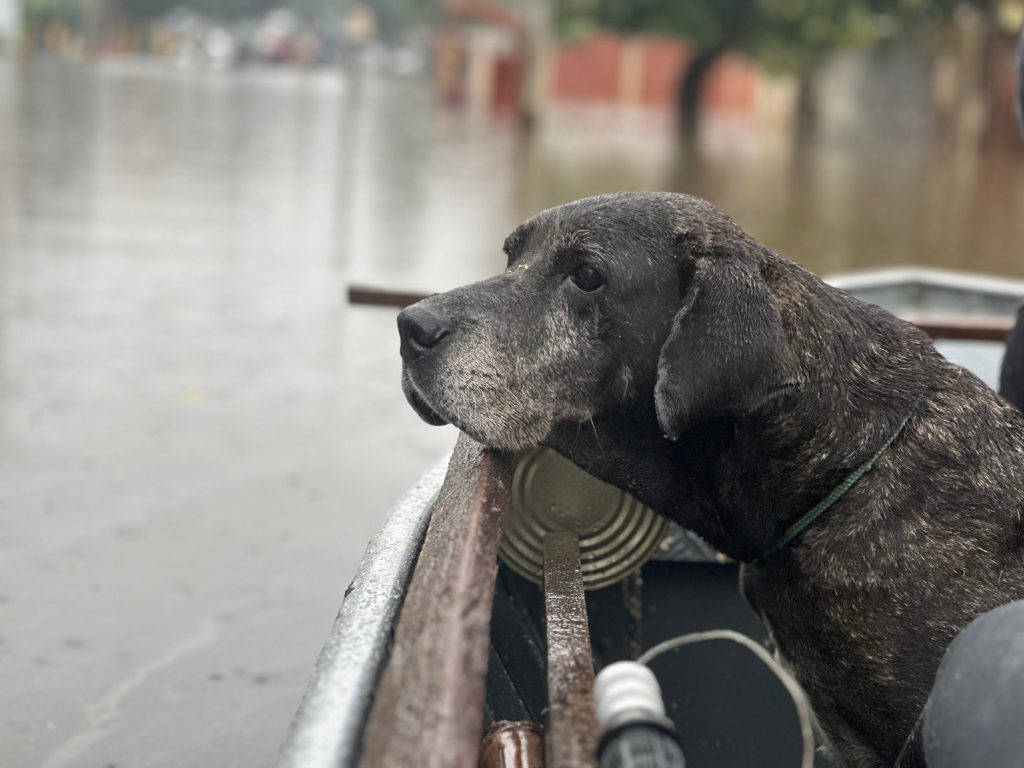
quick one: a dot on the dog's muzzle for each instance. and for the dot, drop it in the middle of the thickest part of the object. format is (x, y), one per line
(422, 330)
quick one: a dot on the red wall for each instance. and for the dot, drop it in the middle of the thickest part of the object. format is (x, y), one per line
(588, 71)
(664, 61)
(731, 85)
(592, 71)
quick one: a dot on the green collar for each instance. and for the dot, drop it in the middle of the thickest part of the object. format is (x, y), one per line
(838, 492)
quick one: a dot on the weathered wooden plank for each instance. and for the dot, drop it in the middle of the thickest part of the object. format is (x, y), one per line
(428, 710)
(383, 297)
(572, 735)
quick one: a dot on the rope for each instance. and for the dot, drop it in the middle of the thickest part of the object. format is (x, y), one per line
(803, 707)
(823, 506)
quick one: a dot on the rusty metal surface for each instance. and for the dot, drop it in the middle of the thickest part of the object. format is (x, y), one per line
(327, 727)
(572, 721)
(428, 709)
(512, 745)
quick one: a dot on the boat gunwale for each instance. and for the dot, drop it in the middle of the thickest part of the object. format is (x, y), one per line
(930, 277)
(327, 729)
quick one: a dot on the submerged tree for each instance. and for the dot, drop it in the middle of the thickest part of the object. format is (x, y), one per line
(1020, 83)
(783, 35)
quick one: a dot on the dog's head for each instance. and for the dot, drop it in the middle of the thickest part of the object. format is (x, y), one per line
(608, 304)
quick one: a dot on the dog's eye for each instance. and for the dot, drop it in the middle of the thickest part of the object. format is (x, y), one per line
(586, 278)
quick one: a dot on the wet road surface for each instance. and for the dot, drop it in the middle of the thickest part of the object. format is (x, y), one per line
(198, 436)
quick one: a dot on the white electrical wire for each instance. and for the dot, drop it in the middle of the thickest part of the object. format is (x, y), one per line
(803, 708)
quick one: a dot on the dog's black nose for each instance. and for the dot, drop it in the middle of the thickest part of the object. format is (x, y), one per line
(421, 328)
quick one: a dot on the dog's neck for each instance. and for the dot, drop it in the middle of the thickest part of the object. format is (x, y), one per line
(739, 483)
(698, 482)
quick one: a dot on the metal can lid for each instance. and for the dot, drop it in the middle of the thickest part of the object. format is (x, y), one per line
(617, 533)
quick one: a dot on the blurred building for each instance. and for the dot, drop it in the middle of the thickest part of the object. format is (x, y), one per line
(480, 53)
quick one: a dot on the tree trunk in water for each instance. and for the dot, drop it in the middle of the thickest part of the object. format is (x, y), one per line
(691, 87)
(806, 109)
(1020, 84)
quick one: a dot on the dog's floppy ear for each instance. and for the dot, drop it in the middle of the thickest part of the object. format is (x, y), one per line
(727, 352)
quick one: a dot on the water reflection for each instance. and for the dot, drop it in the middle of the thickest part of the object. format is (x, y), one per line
(433, 191)
(402, 191)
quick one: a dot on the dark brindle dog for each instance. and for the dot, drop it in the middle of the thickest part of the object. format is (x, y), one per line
(654, 343)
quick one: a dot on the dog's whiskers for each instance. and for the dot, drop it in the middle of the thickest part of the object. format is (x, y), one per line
(596, 438)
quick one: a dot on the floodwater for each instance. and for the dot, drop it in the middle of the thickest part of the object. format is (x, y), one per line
(198, 436)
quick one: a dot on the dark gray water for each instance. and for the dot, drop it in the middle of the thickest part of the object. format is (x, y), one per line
(197, 436)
